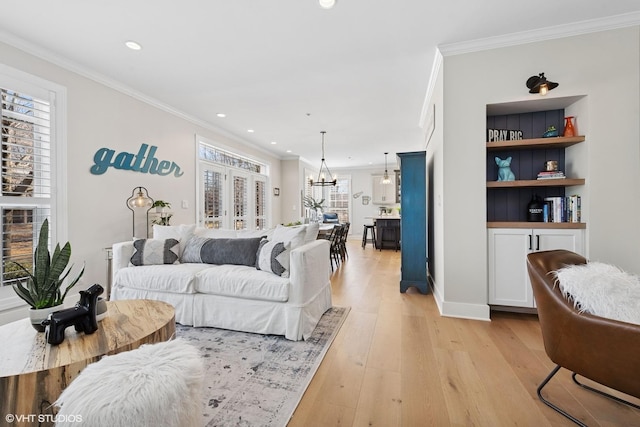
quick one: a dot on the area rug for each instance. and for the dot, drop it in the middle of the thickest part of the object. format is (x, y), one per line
(258, 380)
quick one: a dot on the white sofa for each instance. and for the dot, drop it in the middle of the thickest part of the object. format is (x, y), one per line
(236, 297)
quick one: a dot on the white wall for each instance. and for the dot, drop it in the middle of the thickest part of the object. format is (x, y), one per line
(97, 117)
(361, 181)
(606, 67)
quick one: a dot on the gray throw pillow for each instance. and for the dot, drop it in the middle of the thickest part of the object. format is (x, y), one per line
(155, 252)
(221, 251)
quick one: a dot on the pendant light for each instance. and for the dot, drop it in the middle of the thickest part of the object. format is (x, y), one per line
(322, 180)
(385, 179)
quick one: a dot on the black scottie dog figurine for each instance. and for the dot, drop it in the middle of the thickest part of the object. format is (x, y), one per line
(82, 316)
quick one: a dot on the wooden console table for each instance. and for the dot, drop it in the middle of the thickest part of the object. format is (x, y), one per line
(34, 373)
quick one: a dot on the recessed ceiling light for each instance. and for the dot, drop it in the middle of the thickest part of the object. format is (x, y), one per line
(288, 151)
(250, 130)
(221, 115)
(327, 4)
(133, 45)
(273, 143)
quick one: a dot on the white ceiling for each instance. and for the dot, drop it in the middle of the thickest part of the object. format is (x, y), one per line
(285, 68)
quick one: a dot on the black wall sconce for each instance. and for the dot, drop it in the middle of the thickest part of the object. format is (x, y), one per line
(540, 84)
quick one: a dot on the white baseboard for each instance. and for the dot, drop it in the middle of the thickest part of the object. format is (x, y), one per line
(460, 309)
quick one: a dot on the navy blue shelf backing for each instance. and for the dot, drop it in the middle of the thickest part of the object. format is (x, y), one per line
(510, 204)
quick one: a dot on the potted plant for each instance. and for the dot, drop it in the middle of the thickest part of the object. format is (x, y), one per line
(164, 219)
(160, 205)
(41, 289)
(316, 206)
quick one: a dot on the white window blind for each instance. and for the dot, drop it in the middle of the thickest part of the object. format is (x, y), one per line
(25, 199)
(213, 200)
(240, 202)
(232, 190)
(260, 192)
(339, 198)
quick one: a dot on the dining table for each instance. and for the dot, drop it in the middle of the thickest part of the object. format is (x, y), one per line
(325, 229)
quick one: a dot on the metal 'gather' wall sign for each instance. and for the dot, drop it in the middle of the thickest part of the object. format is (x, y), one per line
(143, 162)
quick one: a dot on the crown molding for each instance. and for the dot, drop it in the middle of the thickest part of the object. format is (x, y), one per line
(542, 34)
(76, 68)
(435, 69)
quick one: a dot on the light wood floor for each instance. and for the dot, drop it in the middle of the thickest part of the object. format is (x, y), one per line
(397, 362)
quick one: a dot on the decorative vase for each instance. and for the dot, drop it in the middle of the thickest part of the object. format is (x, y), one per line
(37, 315)
(569, 130)
(101, 309)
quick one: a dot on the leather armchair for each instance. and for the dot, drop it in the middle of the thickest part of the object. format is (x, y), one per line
(602, 350)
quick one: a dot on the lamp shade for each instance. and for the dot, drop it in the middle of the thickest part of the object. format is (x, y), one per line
(540, 84)
(139, 199)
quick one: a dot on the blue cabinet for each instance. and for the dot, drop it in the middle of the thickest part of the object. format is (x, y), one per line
(413, 223)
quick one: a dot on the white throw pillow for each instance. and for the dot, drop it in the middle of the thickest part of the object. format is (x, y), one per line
(273, 256)
(268, 234)
(181, 233)
(216, 233)
(312, 232)
(293, 235)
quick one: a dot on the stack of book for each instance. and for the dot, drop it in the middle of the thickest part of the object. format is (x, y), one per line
(562, 209)
(551, 175)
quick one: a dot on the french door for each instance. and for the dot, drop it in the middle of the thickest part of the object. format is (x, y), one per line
(231, 198)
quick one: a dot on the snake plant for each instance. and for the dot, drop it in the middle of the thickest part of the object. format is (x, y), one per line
(42, 287)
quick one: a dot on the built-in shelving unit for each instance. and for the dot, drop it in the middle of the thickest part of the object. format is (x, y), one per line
(510, 236)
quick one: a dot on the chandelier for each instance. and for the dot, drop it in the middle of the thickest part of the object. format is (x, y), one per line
(322, 179)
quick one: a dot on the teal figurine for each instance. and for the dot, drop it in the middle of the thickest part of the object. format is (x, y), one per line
(551, 132)
(504, 169)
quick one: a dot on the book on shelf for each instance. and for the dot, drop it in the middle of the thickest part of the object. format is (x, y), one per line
(562, 209)
(551, 175)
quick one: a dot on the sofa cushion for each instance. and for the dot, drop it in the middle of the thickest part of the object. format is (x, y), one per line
(181, 233)
(179, 278)
(273, 257)
(242, 282)
(155, 252)
(221, 251)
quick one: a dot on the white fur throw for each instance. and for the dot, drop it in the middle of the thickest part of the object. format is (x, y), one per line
(154, 385)
(603, 290)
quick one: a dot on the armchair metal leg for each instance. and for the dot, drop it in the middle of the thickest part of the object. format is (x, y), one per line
(551, 405)
(566, 414)
(602, 393)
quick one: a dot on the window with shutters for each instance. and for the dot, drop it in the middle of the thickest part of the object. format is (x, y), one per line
(336, 197)
(339, 199)
(232, 190)
(28, 163)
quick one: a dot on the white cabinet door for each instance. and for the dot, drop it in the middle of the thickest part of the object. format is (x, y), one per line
(508, 276)
(571, 240)
(383, 194)
(509, 283)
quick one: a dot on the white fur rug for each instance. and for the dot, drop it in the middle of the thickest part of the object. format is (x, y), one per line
(258, 380)
(603, 290)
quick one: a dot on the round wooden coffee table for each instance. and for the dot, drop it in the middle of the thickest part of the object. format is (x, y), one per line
(34, 373)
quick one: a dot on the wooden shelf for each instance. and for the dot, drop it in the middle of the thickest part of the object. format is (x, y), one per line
(522, 144)
(525, 224)
(522, 183)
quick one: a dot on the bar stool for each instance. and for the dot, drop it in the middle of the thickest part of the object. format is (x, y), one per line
(365, 235)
